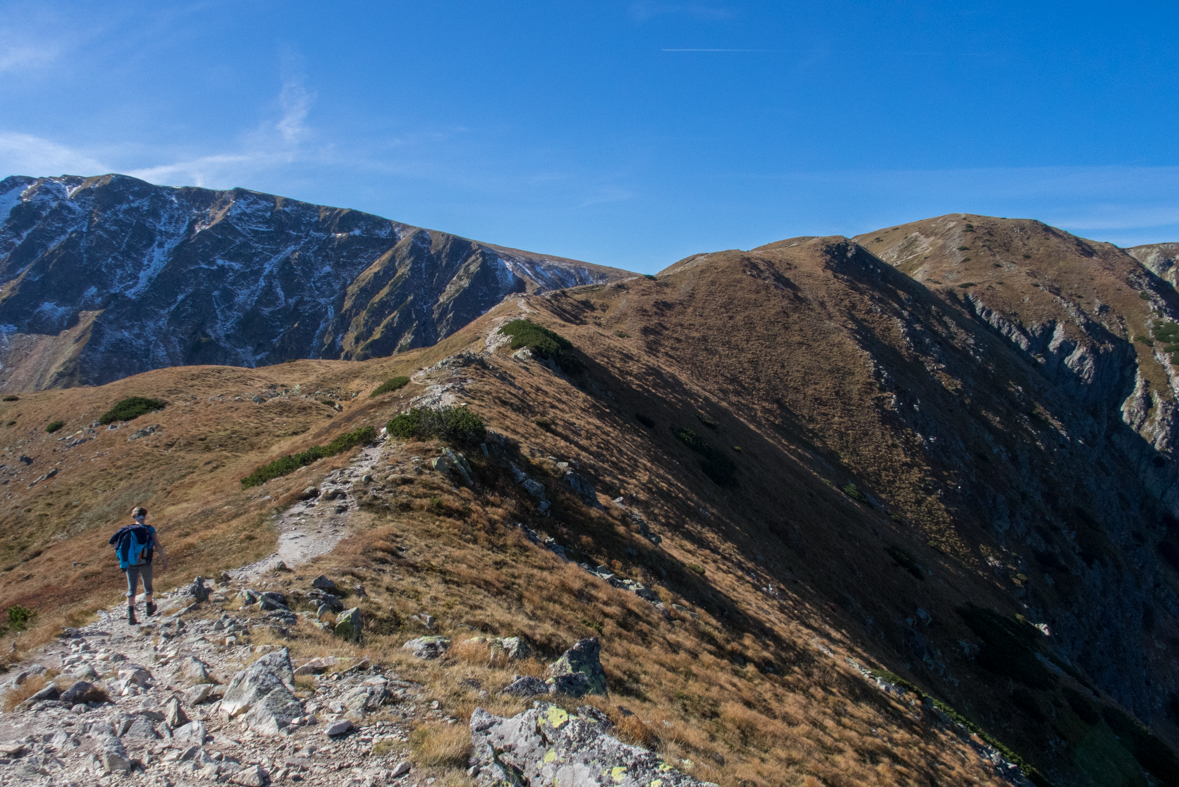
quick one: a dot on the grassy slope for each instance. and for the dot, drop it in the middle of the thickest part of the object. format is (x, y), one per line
(776, 347)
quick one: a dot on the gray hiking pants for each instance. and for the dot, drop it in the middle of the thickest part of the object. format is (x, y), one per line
(133, 575)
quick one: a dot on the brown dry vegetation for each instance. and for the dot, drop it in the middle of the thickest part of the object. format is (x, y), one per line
(778, 351)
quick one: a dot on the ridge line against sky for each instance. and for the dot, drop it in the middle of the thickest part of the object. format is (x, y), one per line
(626, 133)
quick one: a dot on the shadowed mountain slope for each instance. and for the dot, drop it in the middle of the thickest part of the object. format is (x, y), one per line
(101, 278)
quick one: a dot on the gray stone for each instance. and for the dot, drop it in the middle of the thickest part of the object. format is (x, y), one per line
(201, 694)
(174, 715)
(578, 671)
(365, 699)
(271, 600)
(399, 770)
(256, 681)
(323, 583)
(316, 666)
(114, 757)
(142, 728)
(194, 671)
(198, 591)
(251, 776)
(249, 598)
(514, 648)
(454, 465)
(349, 624)
(310, 493)
(582, 488)
(194, 732)
(274, 712)
(547, 745)
(526, 686)
(337, 728)
(83, 692)
(427, 647)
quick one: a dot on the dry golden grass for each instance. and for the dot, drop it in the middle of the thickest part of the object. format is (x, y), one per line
(733, 674)
(438, 744)
(18, 694)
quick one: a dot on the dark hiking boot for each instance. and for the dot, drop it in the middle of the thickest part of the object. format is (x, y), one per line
(131, 617)
(150, 606)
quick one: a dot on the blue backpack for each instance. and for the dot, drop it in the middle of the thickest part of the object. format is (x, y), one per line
(133, 545)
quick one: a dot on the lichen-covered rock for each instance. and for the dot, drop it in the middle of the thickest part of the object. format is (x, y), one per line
(547, 746)
(525, 686)
(514, 648)
(323, 583)
(454, 465)
(427, 647)
(578, 671)
(349, 624)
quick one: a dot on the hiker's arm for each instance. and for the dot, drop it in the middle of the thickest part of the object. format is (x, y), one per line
(163, 558)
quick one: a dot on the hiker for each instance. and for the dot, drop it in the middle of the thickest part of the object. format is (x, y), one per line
(134, 545)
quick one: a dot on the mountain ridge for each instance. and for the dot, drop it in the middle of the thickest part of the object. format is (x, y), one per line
(109, 276)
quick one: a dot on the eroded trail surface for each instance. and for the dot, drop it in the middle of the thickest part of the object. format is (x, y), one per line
(175, 701)
(314, 526)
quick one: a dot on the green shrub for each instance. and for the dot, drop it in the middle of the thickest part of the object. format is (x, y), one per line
(1144, 296)
(649, 276)
(967, 284)
(543, 342)
(719, 468)
(54, 426)
(699, 569)
(963, 248)
(544, 423)
(1166, 332)
(292, 462)
(707, 420)
(449, 424)
(906, 561)
(328, 403)
(12, 398)
(131, 408)
(19, 617)
(389, 386)
(1143, 340)
(852, 491)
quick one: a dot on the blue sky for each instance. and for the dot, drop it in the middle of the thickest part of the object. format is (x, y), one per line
(629, 133)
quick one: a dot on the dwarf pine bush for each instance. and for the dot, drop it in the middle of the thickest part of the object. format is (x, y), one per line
(130, 408)
(543, 342)
(292, 462)
(449, 424)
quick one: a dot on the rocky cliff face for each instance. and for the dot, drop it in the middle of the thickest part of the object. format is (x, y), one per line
(101, 278)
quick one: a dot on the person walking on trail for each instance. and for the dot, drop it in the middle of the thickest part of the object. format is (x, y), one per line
(135, 545)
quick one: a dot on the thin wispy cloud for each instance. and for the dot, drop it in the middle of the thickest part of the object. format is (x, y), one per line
(26, 154)
(296, 104)
(27, 57)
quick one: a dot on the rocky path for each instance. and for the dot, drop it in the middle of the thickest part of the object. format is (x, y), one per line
(315, 525)
(175, 701)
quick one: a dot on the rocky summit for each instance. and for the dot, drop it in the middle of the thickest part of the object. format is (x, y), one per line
(886, 510)
(101, 278)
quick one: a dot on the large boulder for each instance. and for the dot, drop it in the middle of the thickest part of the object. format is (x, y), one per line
(274, 712)
(349, 624)
(547, 745)
(257, 681)
(514, 648)
(578, 671)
